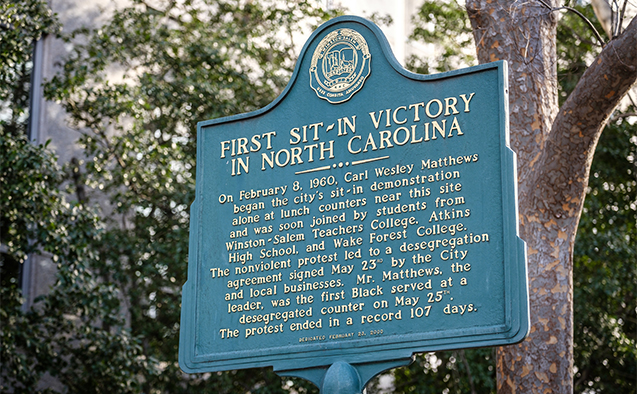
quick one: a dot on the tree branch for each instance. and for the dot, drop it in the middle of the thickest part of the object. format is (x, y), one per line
(588, 22)
(566, 161)
(468, 368)
(621, 18)
(630, 97)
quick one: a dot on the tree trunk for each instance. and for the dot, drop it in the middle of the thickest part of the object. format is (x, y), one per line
(555, 151)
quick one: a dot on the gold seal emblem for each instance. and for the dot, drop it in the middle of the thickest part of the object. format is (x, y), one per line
(340, 64)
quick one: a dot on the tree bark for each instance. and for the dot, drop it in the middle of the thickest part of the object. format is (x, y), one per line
(555, 149)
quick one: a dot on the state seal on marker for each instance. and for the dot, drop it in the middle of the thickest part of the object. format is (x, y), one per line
(340, 64)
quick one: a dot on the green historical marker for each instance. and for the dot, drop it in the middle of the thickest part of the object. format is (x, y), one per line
(366, 214)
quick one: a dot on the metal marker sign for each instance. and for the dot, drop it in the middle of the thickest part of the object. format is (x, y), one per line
(366, 214)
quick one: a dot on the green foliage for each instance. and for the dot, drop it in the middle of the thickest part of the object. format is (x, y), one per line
(74, 333)
(28, 205)
(605, 272)
(576, 47)
(59, 334)
(21, 24)
(445, 24)
(136, 89)
(457, 371)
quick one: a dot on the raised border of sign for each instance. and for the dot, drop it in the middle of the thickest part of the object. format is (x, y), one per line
(374, 350)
